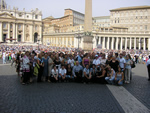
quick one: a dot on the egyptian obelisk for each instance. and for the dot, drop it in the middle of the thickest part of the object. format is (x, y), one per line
(87, 38)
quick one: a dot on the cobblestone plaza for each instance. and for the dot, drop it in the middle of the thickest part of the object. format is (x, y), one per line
(73, 97)
(126, 30)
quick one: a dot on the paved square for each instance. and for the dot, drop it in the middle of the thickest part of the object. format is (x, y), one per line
(66, 97)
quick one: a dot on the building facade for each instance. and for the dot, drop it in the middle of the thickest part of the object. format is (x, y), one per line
(19, 26)
(136, 19)
(102, 21)
(125, 28)
(60, 31)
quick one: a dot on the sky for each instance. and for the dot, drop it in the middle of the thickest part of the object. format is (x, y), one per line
(56, 8)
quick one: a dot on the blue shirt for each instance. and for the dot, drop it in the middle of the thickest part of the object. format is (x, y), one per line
(87, 71)
(79, 59)
(77, 69)
(92, 70)
(128, 64)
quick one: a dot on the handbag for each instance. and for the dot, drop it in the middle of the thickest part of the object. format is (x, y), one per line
(133, 64)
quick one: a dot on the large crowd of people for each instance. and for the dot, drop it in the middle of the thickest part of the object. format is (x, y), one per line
(53, 64)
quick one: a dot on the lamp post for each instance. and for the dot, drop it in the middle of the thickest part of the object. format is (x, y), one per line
(96, 40)
(141, 41)
(78, 36)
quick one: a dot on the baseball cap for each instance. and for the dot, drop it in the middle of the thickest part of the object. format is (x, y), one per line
(96, 55)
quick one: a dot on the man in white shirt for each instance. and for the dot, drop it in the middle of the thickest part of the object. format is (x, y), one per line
(71, 61)
(122, 62)
(62, 73)
(4, 58)
(148, 68)
(96, 61)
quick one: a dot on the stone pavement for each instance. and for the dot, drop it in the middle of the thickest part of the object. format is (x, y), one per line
(66, 97)
(140, 86)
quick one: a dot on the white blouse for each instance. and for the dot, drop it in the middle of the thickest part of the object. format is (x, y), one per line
(54, 73)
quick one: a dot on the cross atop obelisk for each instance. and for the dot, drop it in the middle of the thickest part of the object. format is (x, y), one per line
(88, 16)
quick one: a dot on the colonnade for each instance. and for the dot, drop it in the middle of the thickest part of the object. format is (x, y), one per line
(11, 32)
(122, 43)
(59, 41)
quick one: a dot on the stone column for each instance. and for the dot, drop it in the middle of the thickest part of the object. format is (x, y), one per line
(117, 43)
(139, 43)
(51, 43)
(67, 41)
(112, 43)
(88, 16)
(14, 32)
(144, 48)
(52, 40)
(108, 39)
(23, 34)
(31, 34)
(40, 38)
(95, 42)
(121, 44)
(1, 31)
(100, 41)
(62, 41)
(81, 43)
(56, 41)
(130, 43)
(87, 39)
(134, 42)
(103, 42)
(125, 43)
(8, 37)
(75, 42)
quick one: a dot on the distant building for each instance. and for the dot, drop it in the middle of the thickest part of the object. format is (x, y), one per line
(125, 28)
(19, 26)
(102, 21)
(65, 24)
(136, 19)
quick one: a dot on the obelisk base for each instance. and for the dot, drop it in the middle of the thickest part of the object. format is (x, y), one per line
(87, 43)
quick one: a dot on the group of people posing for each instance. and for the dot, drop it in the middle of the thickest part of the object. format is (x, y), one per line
(77, 67)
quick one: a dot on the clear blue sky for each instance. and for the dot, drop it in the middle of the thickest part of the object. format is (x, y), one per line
(56, 8)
